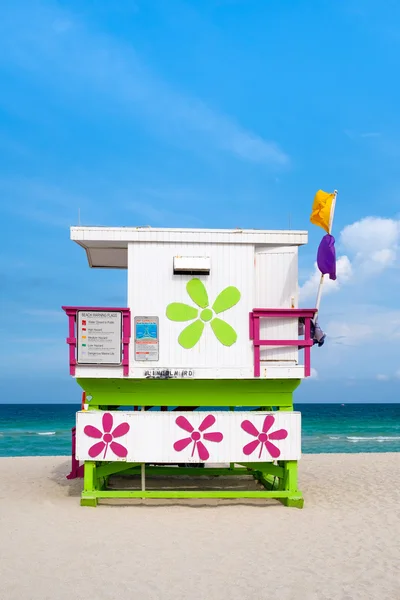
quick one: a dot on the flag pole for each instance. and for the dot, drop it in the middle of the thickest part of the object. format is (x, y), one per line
(321, 281)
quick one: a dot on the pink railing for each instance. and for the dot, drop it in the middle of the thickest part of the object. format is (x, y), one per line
(72, 339)
(281, 313)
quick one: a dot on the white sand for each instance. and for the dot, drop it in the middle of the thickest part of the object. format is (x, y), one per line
(344, 545)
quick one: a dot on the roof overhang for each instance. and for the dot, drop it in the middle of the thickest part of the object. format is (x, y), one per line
(107, 247)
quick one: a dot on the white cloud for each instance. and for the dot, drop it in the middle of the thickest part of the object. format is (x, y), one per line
(343, 274)
(364, 323)
(382, 377)
(60, 49)
(371, 245)
(367, 134)
(314, 373)
(373, 242)
(351, 331)
(362, 341)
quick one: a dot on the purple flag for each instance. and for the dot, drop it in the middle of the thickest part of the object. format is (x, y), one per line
(326, 257)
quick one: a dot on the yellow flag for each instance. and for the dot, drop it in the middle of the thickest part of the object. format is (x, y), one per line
(321, 210)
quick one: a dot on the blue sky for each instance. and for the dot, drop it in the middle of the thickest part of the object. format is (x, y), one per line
(187, 114)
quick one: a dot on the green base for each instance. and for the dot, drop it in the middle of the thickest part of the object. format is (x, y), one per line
(88, 500)
(293, 502)
(278, 480)
(106, 393)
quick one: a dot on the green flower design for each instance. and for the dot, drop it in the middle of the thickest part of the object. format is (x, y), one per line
(177, 311)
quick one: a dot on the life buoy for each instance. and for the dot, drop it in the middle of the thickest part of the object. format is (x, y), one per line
(83, 406)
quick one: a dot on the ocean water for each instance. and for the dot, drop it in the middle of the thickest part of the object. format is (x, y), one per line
(45, 430)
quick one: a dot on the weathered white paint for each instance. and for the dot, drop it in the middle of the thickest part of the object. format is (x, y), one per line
(268, 371)
(192, 263)
(118, 237)
(106, 247)
(152, 285)
(99, 372)
(152, 435)
(276, 287)
(261, 264)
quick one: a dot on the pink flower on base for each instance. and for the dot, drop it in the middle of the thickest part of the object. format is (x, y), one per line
(263, 437)
(107, 437)
(197, 435)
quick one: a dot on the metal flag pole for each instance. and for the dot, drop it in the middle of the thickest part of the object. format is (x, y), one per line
(321, 281)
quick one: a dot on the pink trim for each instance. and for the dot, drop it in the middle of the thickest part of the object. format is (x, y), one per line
(257, 361)
(76, 468)
(100, 308)
(126, 335)
(307, 349)
(279, 313)
(71, 339)
(256, 342)
(251, 326)
(284, 312)
(285, 343)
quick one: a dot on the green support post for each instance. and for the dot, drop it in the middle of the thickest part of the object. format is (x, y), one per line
(295, 498)
(89, 494)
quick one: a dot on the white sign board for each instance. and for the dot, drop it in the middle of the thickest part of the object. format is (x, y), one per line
(191, 436)
(99, 337)
(146, 338)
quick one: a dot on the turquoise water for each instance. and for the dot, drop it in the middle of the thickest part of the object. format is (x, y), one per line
(45, 430)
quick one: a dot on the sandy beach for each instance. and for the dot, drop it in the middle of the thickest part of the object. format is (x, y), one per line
(343, 545)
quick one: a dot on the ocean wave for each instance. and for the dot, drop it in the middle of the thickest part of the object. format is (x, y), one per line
(25, 433)
(334, 437)
(377, 438)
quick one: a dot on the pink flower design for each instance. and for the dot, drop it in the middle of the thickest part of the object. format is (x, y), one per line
(263, 437)
(197, 435)
(107, 437)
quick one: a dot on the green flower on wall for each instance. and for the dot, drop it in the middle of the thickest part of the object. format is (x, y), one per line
(178, 311)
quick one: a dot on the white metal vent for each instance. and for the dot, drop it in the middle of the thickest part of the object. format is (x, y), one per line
(192, 265)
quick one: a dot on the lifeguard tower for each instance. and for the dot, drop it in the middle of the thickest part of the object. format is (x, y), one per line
(198, 369)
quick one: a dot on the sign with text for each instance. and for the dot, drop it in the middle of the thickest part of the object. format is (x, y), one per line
(99, 337)
(169, 373)
(146, 338)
